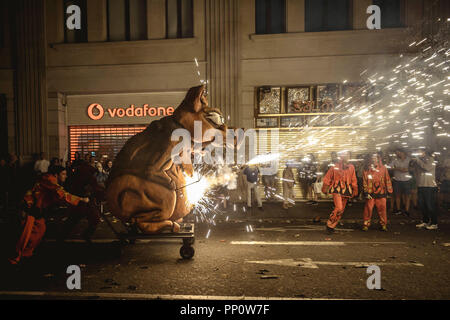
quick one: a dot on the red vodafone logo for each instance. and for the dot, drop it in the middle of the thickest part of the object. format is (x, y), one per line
(95, 111)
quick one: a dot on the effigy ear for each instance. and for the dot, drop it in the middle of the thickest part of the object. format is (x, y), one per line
(193, 100)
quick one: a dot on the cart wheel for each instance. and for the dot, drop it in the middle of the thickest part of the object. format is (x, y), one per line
(188, 241)
(187, 252)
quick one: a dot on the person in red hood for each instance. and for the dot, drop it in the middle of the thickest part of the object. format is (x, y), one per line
(45, 193)
(340, 180)
(377, 184)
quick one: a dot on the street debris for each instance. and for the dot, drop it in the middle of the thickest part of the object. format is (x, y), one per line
(270, 277)
(112, 282)
(262, 271)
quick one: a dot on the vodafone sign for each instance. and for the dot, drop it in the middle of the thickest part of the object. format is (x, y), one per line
(96, 111)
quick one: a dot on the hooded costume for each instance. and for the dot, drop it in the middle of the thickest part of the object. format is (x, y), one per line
(377, 184)
(44, 194)
(340, 180)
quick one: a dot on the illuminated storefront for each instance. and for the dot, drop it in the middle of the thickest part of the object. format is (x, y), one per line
(100, 124)
(308, 121)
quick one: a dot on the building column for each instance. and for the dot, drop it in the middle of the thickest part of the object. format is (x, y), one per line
(295, 15)
(55, 21)
(11, 115)
(360, 14)
(96, 21)
(223, 56)
(156, 19)
(30, 80)
(57, 126)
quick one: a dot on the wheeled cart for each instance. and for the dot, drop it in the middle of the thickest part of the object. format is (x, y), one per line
(132, 234)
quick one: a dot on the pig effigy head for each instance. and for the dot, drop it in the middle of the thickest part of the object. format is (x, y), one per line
(195, 108)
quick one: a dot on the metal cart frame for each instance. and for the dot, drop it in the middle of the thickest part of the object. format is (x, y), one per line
(132, 234)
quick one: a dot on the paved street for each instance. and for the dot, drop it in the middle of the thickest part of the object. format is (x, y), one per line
(264, 255)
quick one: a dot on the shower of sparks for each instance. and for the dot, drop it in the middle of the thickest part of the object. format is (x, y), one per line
(196, 187)
(202, 195)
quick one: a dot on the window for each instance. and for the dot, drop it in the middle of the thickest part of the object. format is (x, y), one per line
(270, 16)
(390, 13)
(127, 20)
(327, 15)
(312, 105)
(76, 35)
(179, 19)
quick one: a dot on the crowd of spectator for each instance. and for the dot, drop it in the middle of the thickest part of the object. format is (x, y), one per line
(420, 181)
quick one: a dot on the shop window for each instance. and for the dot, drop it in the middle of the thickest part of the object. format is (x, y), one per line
(76, 35)
(100, 141)
(179, 19)
(269, 100)
(327, 15)
(299, 106)
(266, 122)
(390, 13)
(270, 16)
(127, 20)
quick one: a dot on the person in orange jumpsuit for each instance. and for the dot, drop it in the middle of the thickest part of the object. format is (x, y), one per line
(45, 193)
(340, 180)
(377, 184)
